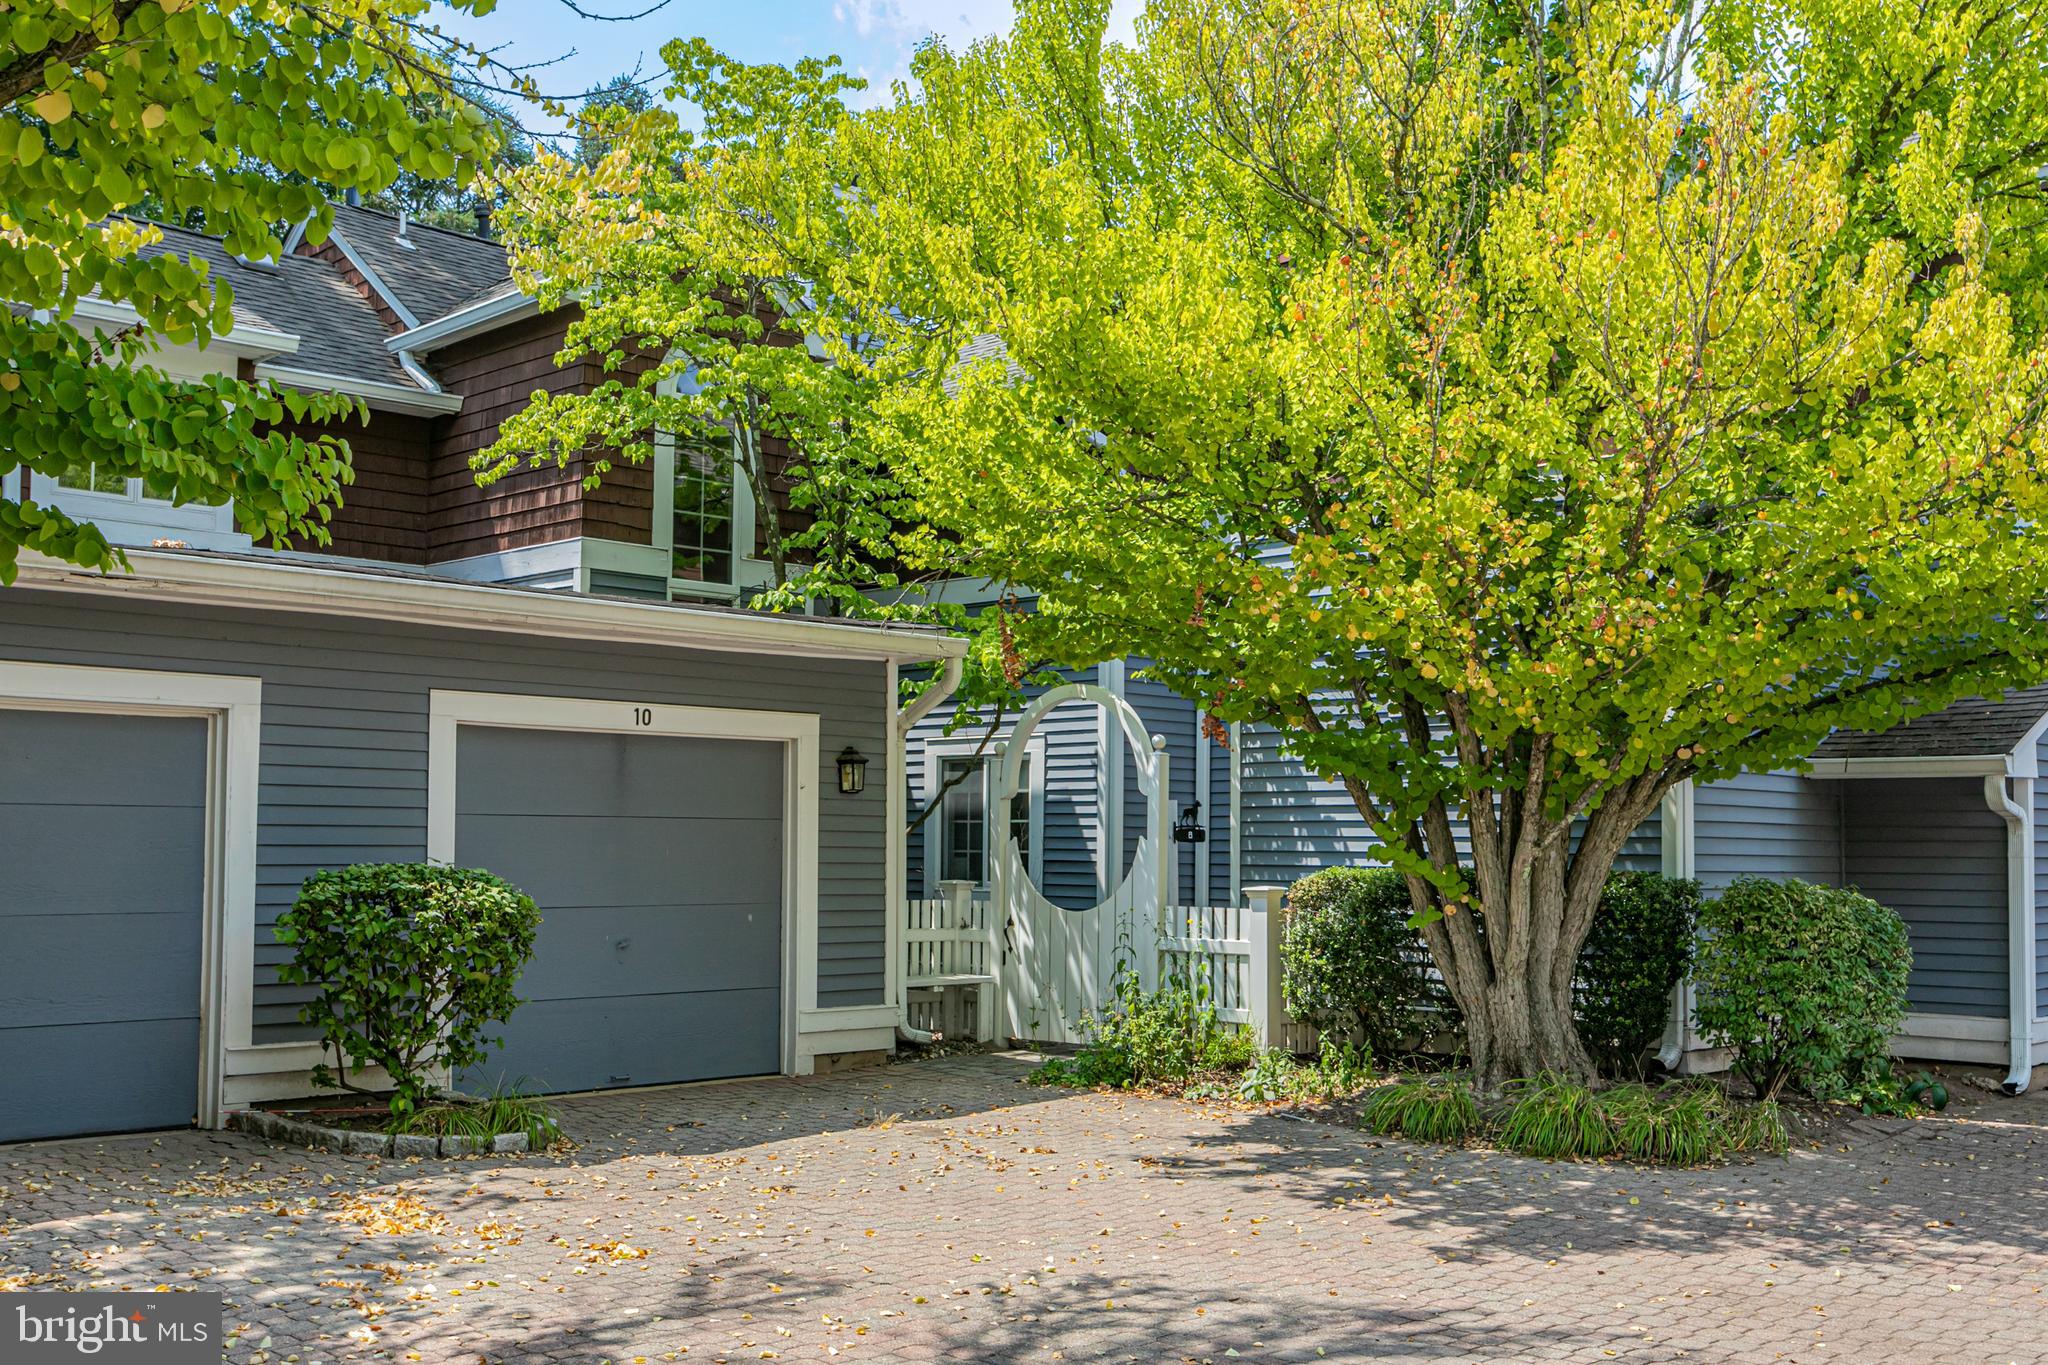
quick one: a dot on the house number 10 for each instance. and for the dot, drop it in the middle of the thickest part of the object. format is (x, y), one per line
(643, 716)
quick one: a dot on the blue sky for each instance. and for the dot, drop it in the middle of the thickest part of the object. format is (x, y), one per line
(873, 38)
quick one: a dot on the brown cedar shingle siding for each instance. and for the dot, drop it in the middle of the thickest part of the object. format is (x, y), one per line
(383, 513)
(622, 506)
(496, 374)
(778, 456)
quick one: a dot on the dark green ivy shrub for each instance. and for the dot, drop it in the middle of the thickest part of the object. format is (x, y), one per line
(1348, 956)
(409, 962)
(1640, 945)
(1807, 984)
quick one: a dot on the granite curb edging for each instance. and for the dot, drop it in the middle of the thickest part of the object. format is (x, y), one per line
(301, 1133)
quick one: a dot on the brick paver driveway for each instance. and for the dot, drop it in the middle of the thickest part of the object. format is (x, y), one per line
(941, 1211)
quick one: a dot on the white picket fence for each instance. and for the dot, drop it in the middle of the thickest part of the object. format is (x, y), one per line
(952, 947)
(1210, 946)
(955, 943)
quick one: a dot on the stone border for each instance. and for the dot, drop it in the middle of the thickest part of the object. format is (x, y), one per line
(300, 1133)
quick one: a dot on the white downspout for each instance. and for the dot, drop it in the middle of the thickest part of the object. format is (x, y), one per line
(899, 733)
(1674, 837)
(2019, 933)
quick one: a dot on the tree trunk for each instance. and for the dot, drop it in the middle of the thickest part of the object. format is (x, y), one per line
(1509, 953)
(1523, 1028)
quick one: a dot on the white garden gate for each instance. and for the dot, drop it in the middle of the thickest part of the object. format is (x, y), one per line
(1059, 964)
(1035, 969)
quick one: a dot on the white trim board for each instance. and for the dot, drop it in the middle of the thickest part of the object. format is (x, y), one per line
(385, 397)
(233, 709)
(962, 744)
(1978, 765)
(797, 731)
(286, 585)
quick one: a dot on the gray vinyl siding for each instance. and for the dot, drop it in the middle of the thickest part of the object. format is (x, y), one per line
(344, 745)
(1767, 825)
(1221, 760)
(1175, 719)
(1295, 822)
(1069, 873)
(1933, 851)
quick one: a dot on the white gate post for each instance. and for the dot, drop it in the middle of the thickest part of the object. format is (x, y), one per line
(1262, 974)
(1150, 910)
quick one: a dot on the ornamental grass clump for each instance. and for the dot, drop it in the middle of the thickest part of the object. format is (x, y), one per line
(1429, 1109)
(1806, 984)
(409, 963)
(1556, 1118)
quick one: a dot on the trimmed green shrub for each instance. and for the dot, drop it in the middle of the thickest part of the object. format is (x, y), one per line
(409, 962)
(1807, 984)
(1640, 945)
(1348, 956)
(1554, 1117)
(1429, 1109)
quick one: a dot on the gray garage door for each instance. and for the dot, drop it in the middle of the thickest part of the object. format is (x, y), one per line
(102, 886)
(657, 865)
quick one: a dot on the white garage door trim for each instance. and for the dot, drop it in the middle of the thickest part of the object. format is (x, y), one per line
(233, 709)
(796, 731)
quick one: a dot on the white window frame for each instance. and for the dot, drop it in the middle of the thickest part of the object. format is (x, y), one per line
(745, 517)
(797, 731)
(233, 710)
(936, 752)
(136, 518)
(133, 519)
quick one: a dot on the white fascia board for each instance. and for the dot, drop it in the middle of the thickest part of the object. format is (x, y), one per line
(294, 586)
(1969, 765)
(245, 339)
(386, 397)
(464, 323)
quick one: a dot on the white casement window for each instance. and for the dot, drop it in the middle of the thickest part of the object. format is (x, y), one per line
(961, 835)
(703, 510)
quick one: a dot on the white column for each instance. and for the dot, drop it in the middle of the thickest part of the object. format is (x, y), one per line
(1262, 976)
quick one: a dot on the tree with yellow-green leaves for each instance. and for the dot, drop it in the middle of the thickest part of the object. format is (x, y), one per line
(1522, 409)
(714, 273)
(228, 116)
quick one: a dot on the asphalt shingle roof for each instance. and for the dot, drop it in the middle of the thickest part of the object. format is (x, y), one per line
(339, 332)
(1973, 727)
(433, 277)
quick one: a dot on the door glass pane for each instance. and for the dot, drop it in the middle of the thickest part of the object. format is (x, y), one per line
(964, 821)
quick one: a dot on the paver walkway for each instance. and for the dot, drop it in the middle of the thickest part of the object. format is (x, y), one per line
(943, 1211)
